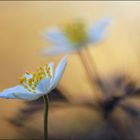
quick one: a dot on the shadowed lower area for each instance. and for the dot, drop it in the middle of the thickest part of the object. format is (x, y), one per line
(115, 117)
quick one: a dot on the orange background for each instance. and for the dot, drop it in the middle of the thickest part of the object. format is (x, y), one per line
(21, 25)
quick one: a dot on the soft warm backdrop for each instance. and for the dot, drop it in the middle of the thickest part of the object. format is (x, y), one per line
(21, 26)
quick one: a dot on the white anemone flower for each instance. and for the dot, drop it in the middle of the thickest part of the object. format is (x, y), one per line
(74, 36)
(33, 86)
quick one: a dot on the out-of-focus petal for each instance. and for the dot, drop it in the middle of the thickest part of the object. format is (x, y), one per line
(55, 36)
(58, 50)
(59, 72)
(97, 32)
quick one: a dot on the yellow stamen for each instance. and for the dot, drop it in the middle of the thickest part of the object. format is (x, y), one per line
(76, 32)
(40, 74)
(27, 72)
(25, 87)
(22, 80)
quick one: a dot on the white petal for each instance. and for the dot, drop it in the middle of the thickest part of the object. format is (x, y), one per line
(58, 50)
(51, 65)
(55, 36)
(18, 92)
(44, 85)
(28, 96)
(59, 72)
(97, 32)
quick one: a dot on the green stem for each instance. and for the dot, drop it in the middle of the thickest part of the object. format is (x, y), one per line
(46, 106)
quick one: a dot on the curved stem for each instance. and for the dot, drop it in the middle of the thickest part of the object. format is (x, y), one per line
(95, 71)
(85, 64)
(46, 105)
(86, 67)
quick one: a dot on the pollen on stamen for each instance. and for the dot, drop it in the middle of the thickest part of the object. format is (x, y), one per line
(31, 83)
(48, 71)
(27, 72)
(22, 80)
(25, 87)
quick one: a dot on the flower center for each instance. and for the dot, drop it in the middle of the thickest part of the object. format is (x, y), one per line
(30, 81)
(76, 32)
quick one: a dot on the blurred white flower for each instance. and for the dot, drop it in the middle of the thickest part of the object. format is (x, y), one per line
(74, 36)
(36, 84)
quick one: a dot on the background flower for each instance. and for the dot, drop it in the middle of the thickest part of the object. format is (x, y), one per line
(74, 36)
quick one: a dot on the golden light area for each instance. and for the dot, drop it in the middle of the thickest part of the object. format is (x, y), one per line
(21, 28)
